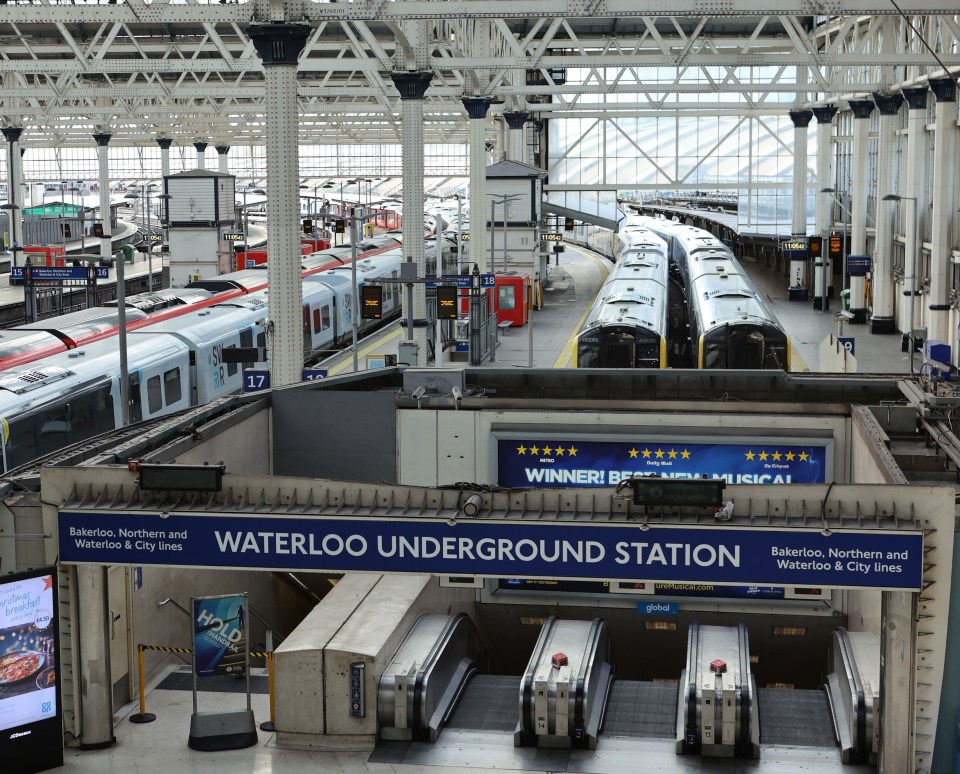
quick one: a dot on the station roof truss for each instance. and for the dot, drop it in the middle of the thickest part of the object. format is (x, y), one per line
(188, 70)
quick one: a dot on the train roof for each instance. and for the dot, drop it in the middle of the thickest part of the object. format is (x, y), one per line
(245, 279)
(204, 325)
(726, 298)
(83, 322)
(37, 384)
(625, 302)
(155, 300)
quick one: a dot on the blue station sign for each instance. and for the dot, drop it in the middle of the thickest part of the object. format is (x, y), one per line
(721, 555)
(58, 273)
(524, 462)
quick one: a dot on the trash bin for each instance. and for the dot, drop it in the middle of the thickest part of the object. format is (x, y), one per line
(845, 299)
(128, 253)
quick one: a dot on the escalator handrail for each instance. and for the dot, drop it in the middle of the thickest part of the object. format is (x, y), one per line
(852, 673)
(416, 690)
(526, 682)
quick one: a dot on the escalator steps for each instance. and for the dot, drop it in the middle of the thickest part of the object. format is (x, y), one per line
(792, 717)
(489, 703)
(637, 709)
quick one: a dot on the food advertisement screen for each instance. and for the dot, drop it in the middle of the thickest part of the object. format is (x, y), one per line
(28, 668)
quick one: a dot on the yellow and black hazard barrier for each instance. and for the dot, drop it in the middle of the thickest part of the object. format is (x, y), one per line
(148, 717)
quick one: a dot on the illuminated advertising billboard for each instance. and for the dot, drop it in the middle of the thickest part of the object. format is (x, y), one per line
(31, 738)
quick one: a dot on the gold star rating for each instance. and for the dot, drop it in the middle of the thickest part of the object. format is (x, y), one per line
(776, 456)
(804, 456)
(560, 451)
(534, 450)
(685, 454)
(521, 449)
(547, 450)
(673, 454)
(572, 451)
(659, 454)
(646, 454)
(633, 453)
(790, 456)
(750, 455)
(763, 455)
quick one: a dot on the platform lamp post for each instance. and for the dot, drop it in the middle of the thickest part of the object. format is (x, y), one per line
(909, 269)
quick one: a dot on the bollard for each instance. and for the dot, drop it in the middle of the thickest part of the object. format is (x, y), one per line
(142, 716)
(268, 725)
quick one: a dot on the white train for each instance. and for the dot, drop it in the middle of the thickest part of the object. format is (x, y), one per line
(174, 364)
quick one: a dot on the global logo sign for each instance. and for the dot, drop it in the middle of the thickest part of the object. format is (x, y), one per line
(658, 608)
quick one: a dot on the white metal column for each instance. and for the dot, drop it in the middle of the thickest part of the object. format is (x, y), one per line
(412, 86)
(202, 153)
(14, 192)
(824, 203)
(93, 626)
(222, 151)
(477, 112)
(881, 321)
(861, 109)
(515, 121)
(801, 120)
(944, 208)
(279, 45)
(916, 188)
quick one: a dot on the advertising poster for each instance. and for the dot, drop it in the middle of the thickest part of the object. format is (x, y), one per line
(29, 706)
(552, 463)
(220, 635)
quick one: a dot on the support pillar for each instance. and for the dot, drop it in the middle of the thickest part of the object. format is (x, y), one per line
(279, 45)
(861, 109)
(222, 151)
(477, 112)
(882, 320)
(898, 680)
(916, 188)
(516, 121)
(164, 143)
(412, 86)
(798, 279)
(823, 284)
(944, 208)
(94, 680)
(201, 154)
(15, 195)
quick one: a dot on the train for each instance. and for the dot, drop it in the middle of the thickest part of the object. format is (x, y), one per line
(173, 364)
(628, 324)
(27, 343)
(729, 324)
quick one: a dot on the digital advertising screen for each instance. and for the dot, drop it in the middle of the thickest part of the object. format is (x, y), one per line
(31, 738)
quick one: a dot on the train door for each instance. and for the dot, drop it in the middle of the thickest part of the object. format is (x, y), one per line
(618, 351)
(136, 404)
(745, 349)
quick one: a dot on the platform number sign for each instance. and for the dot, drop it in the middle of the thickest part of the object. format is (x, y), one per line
(848, 343)
(256, 379)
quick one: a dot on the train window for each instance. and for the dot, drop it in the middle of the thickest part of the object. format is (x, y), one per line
(325, 316)
(172, 391)
(262, 339)
(232, 368)
(154, 395)
(317, 325)
(79, 417)
(506, 297)
(246, 337)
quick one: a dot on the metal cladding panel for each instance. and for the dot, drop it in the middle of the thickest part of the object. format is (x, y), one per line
(193, 200)
(226, 198)
(359, 435)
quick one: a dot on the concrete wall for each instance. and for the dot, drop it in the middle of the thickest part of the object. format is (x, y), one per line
(244, 448)
(364, 619)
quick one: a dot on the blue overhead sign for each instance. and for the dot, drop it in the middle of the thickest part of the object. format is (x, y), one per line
(463, 281)
(753, 555)
(58, 273)
(547, 463)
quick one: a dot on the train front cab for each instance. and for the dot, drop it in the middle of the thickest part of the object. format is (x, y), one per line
(619, 347)
(747, 347)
